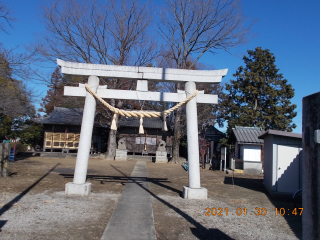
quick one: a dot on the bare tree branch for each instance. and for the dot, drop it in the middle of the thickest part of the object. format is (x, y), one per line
(89, 31)
(6, 18)
(196, 27)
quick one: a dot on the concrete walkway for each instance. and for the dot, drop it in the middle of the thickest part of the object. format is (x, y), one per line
(133, 216)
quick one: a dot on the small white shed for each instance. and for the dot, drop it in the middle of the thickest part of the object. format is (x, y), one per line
(282, 162)
(248, 148)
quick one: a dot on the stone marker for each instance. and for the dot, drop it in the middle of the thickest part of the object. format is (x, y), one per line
(121, 151)
(161, 153)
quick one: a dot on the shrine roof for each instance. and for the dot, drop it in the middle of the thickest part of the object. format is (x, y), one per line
(211, 133)
(65, 116)
(62, 116)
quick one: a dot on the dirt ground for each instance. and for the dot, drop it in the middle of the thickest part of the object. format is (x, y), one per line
(177, 218)
(33, 204)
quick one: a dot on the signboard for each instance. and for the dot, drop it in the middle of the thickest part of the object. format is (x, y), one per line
(149, 140)
(138, 140)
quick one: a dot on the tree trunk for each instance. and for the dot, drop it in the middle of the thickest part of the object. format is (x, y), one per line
(112, 145)
(4, 157)
(177, 136)
(177, 133)
(112, 140)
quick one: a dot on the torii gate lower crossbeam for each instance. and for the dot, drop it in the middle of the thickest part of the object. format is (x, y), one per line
(79, 185)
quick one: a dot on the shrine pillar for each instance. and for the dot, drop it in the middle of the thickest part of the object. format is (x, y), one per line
(194, 191)
(79, 185)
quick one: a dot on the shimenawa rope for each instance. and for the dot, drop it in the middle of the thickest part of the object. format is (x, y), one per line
(139, 114)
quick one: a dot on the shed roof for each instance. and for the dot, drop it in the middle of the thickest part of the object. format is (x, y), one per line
(135, 122)
(246, 135)
(280, 133)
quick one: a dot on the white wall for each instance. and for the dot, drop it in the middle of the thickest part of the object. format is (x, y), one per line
(288, 168)
(251, 152)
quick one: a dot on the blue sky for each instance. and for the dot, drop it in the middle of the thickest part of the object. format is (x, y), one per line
(290, 29)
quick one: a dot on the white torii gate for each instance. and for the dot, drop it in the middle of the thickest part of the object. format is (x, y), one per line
(142, 74)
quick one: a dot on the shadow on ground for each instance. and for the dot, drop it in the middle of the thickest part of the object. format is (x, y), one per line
(198, 231)
(7, 206)
(210, 234)
(123, 180)
(2, 223)
(249, 183)
(285, 204)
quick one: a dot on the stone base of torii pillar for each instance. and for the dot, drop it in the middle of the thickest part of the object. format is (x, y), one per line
(195, 193)
(78, 189)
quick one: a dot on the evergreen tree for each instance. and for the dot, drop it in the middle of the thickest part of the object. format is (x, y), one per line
(15, 97)
(260, 96)
(16, 106)
(210, 114)
(55, 95)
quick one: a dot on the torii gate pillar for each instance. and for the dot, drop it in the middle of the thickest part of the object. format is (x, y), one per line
(79, 185)
(194, 191)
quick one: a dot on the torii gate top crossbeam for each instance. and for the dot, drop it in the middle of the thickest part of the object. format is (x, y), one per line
(142, 73)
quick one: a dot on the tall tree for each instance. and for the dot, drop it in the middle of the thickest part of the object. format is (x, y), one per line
(212, 114)
(260, 96)
(104, 32)
(193, 28)
(55, 95)
(15, 98)
(113, 32)
(16, 101)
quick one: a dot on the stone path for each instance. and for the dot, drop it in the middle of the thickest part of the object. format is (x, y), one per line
(133, 216)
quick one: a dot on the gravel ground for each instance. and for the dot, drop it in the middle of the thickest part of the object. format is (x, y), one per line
(177, 218)
(56, 216)
(188, 220)
(34, 206)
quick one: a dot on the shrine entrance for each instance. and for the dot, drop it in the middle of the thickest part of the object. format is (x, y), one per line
(93, 91)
